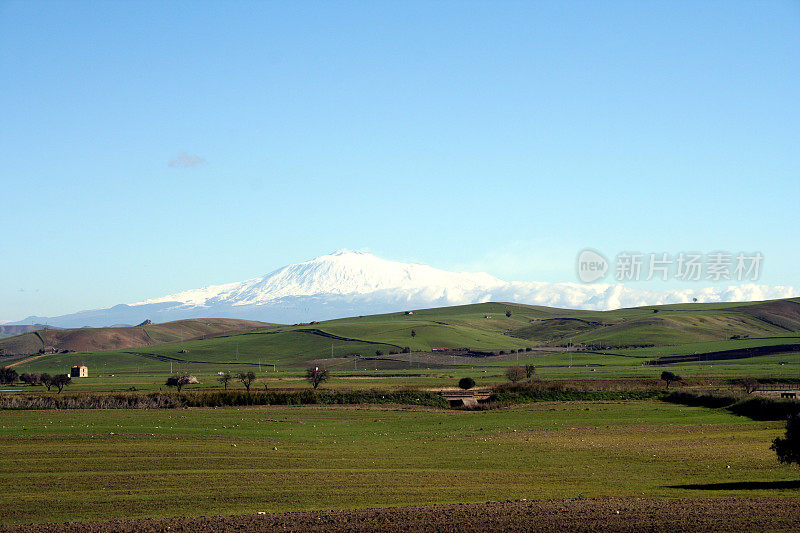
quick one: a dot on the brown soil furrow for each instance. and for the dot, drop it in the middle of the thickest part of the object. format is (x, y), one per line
(609, 514)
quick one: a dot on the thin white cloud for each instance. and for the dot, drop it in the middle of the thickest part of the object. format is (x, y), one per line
(184, 160)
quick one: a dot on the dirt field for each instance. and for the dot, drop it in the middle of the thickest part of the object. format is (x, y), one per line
(701, 514)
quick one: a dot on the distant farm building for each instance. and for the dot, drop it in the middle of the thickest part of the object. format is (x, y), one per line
(79, 372)
(409, 312)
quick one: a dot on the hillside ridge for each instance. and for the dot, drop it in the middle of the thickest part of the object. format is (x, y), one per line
(116, 338)
(487, 327)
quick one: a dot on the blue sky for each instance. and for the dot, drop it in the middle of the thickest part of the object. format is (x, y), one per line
(496, 136)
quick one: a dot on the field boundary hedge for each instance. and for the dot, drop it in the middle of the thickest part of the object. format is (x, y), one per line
(538, 391)
(754, 407)
(172, 400)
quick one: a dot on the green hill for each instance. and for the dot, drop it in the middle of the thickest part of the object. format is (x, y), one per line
(634, 334)
(97, 339)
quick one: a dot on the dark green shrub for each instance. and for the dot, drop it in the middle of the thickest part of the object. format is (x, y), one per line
(755, 408)
(217, 398)
(8, 375)
(788, 447)
(466, 383)
(670, 377)
(694, 399)
(536, 391)
(766, 408)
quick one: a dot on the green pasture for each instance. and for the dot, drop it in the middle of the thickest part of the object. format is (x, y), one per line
(74, 465)
(123, 370)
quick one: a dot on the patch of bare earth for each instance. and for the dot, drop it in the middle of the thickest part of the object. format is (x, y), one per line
(608, 514)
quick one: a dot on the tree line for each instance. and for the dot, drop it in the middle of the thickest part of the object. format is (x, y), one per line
(9, 376)
(314, 375)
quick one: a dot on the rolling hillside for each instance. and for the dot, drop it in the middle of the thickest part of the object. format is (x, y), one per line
(98, 339)
(635, 335)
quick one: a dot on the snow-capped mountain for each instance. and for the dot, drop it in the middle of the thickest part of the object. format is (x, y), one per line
(349, 283)
(340, 273)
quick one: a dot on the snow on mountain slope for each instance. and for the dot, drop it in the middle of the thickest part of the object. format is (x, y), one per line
(356, 283)
(340, 273)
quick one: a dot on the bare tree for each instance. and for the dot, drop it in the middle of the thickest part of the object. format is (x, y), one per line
(316, 376)
(61, 381)
(515, 373)
(47, 380)
(247, 379)
(530, 371)
(750, 385)
(225, 379)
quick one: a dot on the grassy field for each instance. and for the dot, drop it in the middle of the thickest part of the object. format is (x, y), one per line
(143, 373)
(121, 370)
(81, 465)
